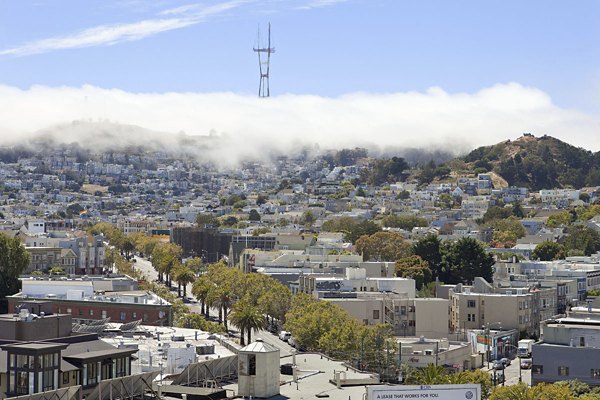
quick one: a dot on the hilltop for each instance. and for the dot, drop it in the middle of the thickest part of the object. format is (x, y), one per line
(537, 163)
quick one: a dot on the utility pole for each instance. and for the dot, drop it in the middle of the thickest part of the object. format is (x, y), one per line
(264, 65)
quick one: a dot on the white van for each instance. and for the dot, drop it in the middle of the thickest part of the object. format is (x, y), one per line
(285, 335)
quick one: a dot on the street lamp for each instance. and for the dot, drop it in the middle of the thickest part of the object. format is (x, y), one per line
(516, 348)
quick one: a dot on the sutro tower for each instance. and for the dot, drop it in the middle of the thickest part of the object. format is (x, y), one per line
(263, 65)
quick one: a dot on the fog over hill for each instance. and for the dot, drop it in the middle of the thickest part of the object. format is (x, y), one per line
(228, 127)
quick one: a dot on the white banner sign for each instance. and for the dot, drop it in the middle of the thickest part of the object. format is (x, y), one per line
(424, 392)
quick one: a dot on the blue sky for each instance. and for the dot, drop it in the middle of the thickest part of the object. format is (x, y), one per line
(324, 48)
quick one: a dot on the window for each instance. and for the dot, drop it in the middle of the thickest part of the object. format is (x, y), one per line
(91, 313)
(403, 310)
(65, 378)
(375, 314)
(69, 311)
(411, 323)
(103, 314)
(48, 380)
(145, 317)
(92, 373)
(120, 367)
(471, 303)
(595, 373)
(80, 312)
(123, 316)
(134, 315)
(537, 369)
(563, 371)
(251, 364)
(582, 341)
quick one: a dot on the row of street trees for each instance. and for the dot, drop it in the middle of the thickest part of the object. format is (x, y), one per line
(248, 300)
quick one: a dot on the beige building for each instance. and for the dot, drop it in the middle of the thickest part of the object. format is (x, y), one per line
(513, 309)
(408, 316)
(44, 258)
(420, 352)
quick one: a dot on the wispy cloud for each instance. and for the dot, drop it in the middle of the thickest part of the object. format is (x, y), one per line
(106, 35)
(320, 3)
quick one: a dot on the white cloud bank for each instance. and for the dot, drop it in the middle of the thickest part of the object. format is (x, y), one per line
(434, 119)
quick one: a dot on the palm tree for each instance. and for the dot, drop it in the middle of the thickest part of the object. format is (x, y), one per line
(222, 297)
(183, 275)
(246, 318)
(430, 375)
(201, 289)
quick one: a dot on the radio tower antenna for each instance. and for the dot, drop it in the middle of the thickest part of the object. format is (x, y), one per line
(264, 65)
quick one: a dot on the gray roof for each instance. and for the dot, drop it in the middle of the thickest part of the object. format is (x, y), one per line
(259, 347)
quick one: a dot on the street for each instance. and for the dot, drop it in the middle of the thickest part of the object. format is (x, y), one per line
(511, 373)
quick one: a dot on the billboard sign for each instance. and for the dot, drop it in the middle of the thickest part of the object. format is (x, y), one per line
(424, 392)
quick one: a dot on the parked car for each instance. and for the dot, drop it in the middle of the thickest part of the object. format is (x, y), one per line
(505, 361)
(291, 341)
(526, 363)
(498, 364)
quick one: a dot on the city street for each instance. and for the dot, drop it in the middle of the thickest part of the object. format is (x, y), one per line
(511, 373)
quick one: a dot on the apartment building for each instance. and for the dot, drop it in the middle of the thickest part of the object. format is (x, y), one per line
(87, 300)
(570, 349)
(513, 309)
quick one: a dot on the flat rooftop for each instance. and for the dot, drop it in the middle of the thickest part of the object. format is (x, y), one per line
(315, 373)
(168, 348)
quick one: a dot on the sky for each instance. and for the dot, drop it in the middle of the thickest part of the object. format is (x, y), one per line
(396, 72)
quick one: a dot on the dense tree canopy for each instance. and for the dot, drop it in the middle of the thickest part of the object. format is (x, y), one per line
(548, 251)
(466, 259)
(383, 246)
(406, 222)
(14, 259)
(414, 267)
(351, 227)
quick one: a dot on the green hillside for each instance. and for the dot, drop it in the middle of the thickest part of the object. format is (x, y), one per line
(538, 163)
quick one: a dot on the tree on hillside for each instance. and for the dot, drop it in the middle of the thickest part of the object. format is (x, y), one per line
(496, 213)
(548, 251)
(429, 249)
(14, 260)
(383, 246)
(582, 238)
(466, 259)
(414, 267)
(563, 218)
(207, 219)
(406, 222)
(253, 215)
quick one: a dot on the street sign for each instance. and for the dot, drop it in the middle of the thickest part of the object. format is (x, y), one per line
(424, 392)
